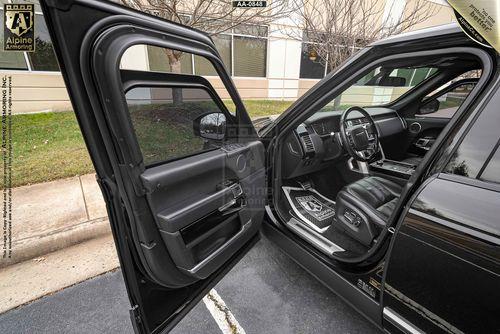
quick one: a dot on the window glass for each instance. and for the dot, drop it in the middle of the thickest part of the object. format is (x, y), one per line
(492, 170)
(405, 73)
(9, 59)
(450, 101)
(420, 74)
(153, 58)
(249, 56)
(252, 30)
(311, 64)
(36, 2)
(479, 142)
(44, 58)
(163, 120)
(203, 66)
(158, 59)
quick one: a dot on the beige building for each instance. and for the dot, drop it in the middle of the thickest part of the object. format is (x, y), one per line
(265, 63)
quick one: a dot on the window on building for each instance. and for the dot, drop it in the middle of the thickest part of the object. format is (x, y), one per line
(315, 66)
(11, 60)
(223, 43)
(43, 59)
(36, 2)
(250, 50)
(248, 42)
(312, 65)
(249, 56)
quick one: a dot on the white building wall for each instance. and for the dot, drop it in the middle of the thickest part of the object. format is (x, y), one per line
(283, 63)
(135, 58)
(393, 11)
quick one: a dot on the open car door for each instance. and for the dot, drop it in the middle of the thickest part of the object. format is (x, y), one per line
(183, 178)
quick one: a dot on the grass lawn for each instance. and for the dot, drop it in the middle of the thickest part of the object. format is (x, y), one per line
(49, 146)
(46, 147)
(258, 108)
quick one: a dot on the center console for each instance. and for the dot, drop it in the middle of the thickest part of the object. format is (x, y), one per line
(393, 168)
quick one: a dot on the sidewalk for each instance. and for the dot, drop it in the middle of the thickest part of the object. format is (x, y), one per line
(24, 282)
(50, 216)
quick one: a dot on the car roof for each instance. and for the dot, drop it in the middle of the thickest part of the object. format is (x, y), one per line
(445, 29)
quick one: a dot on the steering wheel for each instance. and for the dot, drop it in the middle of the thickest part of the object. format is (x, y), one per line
(360, 140)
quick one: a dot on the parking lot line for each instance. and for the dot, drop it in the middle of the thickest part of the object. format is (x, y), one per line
(221, 314)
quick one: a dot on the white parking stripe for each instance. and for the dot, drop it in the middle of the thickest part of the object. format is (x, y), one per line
(221, 313)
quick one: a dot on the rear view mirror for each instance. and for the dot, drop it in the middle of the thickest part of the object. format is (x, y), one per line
(392, 82)
(429, 107)
(386, 81)
(210, 126)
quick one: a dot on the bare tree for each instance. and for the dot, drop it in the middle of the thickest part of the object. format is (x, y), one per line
(337, 28)
(212, 16)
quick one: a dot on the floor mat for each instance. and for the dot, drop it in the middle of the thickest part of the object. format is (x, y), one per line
(313, 208)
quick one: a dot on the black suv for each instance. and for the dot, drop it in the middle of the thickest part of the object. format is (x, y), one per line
(383, 180)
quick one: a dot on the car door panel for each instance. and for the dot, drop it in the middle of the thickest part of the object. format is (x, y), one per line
(422, 133)
(179, 225)
(188, 195)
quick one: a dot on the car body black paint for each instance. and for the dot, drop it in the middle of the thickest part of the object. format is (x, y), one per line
(438, 261)
(444, 267)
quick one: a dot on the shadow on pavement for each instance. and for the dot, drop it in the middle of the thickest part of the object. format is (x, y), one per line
(267, 293)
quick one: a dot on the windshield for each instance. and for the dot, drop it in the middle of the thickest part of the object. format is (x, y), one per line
(380, 86)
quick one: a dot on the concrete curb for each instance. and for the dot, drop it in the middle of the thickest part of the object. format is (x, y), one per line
(50, 216)
(38, 245)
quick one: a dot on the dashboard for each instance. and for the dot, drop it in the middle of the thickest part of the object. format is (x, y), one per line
(316, 143)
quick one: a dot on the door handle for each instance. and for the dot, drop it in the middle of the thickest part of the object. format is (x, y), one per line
(237, 203)
(233, 206)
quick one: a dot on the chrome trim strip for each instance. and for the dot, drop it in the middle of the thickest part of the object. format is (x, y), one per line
(316, 239)
(400, 323)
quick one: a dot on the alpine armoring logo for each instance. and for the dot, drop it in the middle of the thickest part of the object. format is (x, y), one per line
(19, 27)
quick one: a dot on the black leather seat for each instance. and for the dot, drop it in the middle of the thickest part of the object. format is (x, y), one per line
(364, 207)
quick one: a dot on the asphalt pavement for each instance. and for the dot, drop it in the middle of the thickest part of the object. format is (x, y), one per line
(266, 292)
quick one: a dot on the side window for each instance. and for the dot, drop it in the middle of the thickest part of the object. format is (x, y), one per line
(163, 119)
(172, 121)
(491, 170)
(445, 105)
(473, 157)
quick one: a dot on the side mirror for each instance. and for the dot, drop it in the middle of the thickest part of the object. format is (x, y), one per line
(429, 107)
(210, 126)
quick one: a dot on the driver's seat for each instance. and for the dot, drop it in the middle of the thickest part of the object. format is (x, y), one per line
(364, 207)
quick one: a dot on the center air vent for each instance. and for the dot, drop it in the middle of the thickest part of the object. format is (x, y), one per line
(415, 127)
(308, 144)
